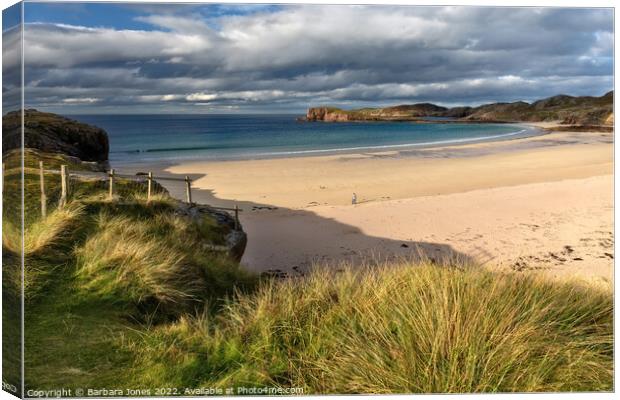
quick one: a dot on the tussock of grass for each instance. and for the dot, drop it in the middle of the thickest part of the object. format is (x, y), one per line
(396, 330)
(11, 237)
(48, 247)
(158, 262)
(48, 244)
(126, 258)
(56, 229)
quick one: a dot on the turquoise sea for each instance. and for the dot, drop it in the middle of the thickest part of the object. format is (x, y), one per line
(173, 138)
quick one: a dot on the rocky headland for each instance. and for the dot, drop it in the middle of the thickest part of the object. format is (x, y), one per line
(569, 110)
(53, 133)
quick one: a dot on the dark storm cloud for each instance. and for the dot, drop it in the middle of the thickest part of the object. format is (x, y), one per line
(290, 57)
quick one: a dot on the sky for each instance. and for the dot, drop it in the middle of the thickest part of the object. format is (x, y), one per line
(175, 58)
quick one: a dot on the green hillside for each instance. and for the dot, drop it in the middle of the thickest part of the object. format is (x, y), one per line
(585, 110)
(100, 270)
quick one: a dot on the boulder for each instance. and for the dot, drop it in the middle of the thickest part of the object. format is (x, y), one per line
(235, 239)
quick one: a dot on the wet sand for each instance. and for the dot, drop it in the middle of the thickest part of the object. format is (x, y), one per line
(304, 182)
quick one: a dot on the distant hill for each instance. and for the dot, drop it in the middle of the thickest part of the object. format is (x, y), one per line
(584, 110)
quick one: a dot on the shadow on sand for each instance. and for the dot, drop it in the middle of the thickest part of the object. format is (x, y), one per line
(283, 240)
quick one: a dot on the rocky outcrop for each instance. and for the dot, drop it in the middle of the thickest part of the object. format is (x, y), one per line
(584, 110)
(405, 112)
(234, 238)
(52, 133)
(327, 114)
(593, 117)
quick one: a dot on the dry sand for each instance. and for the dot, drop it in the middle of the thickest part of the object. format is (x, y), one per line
(540, 203)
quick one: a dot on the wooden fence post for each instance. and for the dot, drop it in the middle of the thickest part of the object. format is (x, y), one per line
(150, 187)
(111, 189)
(43, 197)
(63, 186)
(188, 189)
(236, 217)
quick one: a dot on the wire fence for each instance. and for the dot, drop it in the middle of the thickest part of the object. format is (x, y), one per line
(57, 187)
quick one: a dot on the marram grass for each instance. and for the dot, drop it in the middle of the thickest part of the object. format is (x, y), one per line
(158, 261)
(120, 294)
(397, 329)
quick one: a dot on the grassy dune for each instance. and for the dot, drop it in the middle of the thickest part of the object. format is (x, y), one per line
(395, 329)
(121, 294)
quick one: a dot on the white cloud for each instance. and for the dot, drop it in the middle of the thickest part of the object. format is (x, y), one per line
(302, 55)
(201, 97)
(80, 100)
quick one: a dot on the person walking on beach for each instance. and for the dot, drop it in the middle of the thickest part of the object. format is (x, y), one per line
(354, 199)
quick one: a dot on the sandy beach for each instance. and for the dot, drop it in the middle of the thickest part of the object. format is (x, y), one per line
(542, 203)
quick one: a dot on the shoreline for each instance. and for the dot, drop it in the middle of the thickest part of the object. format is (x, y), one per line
(528, 130)
(304, 182)
(542, 203)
